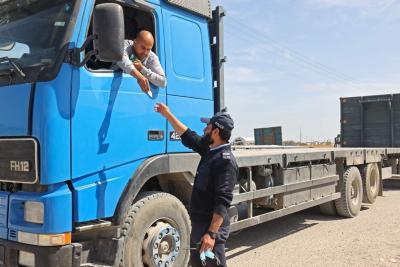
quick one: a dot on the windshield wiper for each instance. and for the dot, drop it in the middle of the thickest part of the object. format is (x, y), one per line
(12, 63)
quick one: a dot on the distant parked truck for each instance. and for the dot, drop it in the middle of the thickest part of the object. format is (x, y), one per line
(268, 136)
(370, 121)
(243, 141)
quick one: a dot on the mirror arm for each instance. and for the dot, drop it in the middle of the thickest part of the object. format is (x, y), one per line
(73, 55)
(88, 56)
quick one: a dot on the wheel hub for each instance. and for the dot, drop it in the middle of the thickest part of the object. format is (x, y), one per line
(161, 245)
(374, 181)
(164, 247)
(354, 192)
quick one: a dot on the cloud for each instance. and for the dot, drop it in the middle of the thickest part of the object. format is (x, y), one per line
(353, 89)
(221, 2)
(288, 55)
(367, 8)
(257, 78)
(363, 4)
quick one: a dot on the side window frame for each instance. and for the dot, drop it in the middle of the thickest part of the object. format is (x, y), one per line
(143, 8)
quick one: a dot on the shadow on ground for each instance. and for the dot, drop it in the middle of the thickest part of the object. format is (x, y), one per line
(391, 185)
(265, 233)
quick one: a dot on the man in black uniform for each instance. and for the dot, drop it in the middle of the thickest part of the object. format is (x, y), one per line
(214, 182)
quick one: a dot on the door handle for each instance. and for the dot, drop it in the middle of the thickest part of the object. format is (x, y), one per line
(155, 135)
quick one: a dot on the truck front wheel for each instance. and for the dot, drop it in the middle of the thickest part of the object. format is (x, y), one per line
(156, 232)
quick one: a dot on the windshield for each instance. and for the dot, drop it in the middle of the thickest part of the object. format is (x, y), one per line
(32, 32)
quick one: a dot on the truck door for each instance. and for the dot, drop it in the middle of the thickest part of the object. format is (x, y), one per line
(113, 121)
(188, 68)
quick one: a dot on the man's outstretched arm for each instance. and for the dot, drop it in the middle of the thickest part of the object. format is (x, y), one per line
(178, 126)
(189, 138)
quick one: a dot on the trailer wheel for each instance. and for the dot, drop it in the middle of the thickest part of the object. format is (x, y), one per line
(349, 204)
(328, 208)
(394, 164)
(371, 183)
(156, 232)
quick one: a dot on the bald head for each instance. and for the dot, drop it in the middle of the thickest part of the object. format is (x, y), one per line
(144, 42)
(145, 36)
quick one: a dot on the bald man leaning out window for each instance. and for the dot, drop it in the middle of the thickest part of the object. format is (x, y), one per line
(142, 63)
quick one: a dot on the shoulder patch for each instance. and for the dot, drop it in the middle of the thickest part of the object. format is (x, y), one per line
(226, 155)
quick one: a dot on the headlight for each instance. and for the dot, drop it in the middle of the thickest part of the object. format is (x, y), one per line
(34, 212)
(44, 239)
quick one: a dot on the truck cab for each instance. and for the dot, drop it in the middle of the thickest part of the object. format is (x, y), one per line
(80, 142)
(90, 175)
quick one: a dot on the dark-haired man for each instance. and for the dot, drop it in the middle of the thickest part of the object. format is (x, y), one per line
(214, 182)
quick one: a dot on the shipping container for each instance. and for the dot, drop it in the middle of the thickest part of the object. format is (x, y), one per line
(268, 136)
(370, 121)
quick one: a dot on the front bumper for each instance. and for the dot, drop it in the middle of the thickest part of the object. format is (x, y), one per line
(61, 256)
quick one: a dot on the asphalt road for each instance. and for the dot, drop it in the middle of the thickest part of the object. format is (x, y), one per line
(311, 239)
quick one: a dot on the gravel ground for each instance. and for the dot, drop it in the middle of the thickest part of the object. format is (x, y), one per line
(311, 239)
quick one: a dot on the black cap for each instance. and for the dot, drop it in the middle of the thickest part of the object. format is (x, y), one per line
(221, 120)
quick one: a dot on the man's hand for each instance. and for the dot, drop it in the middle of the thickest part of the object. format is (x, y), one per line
(162, 109)
(138, 65)
(143, 83)
(178, 126)
(206, 243)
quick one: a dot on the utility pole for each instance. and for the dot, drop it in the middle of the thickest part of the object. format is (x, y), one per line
(300, 135)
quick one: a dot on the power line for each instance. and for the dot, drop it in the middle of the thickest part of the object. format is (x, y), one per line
(279, 68)
(295, 56)
(285, 48)
(303, 65)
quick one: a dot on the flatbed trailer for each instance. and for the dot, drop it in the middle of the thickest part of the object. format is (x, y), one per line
(287, 180)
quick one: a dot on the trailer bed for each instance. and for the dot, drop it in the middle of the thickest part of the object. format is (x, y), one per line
(302, 177)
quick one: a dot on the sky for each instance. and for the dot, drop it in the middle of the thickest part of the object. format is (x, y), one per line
(289, 61)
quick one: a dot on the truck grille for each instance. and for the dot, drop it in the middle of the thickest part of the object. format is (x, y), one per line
(12, 235)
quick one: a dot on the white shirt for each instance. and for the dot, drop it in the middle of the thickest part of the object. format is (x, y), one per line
(152, 68)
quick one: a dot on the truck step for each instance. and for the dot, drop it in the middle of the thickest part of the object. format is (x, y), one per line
(94, 265)
(395, 177)
(92, 225)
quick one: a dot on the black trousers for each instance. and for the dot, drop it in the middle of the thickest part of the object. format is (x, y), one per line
(198, 230)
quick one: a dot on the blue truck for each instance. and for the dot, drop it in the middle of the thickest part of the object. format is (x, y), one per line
(91, 175)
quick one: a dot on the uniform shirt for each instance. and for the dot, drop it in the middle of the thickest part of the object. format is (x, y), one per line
(215, 179)
(152, 69)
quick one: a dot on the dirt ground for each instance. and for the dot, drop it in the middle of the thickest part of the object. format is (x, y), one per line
(311, 239)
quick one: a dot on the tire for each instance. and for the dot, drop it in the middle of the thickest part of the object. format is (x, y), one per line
(394, 164)
(328, 208)
(371, 183)
(349, 204)
(154, 220)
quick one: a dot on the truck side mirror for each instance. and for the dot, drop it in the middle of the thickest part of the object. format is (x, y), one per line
(108, 27)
